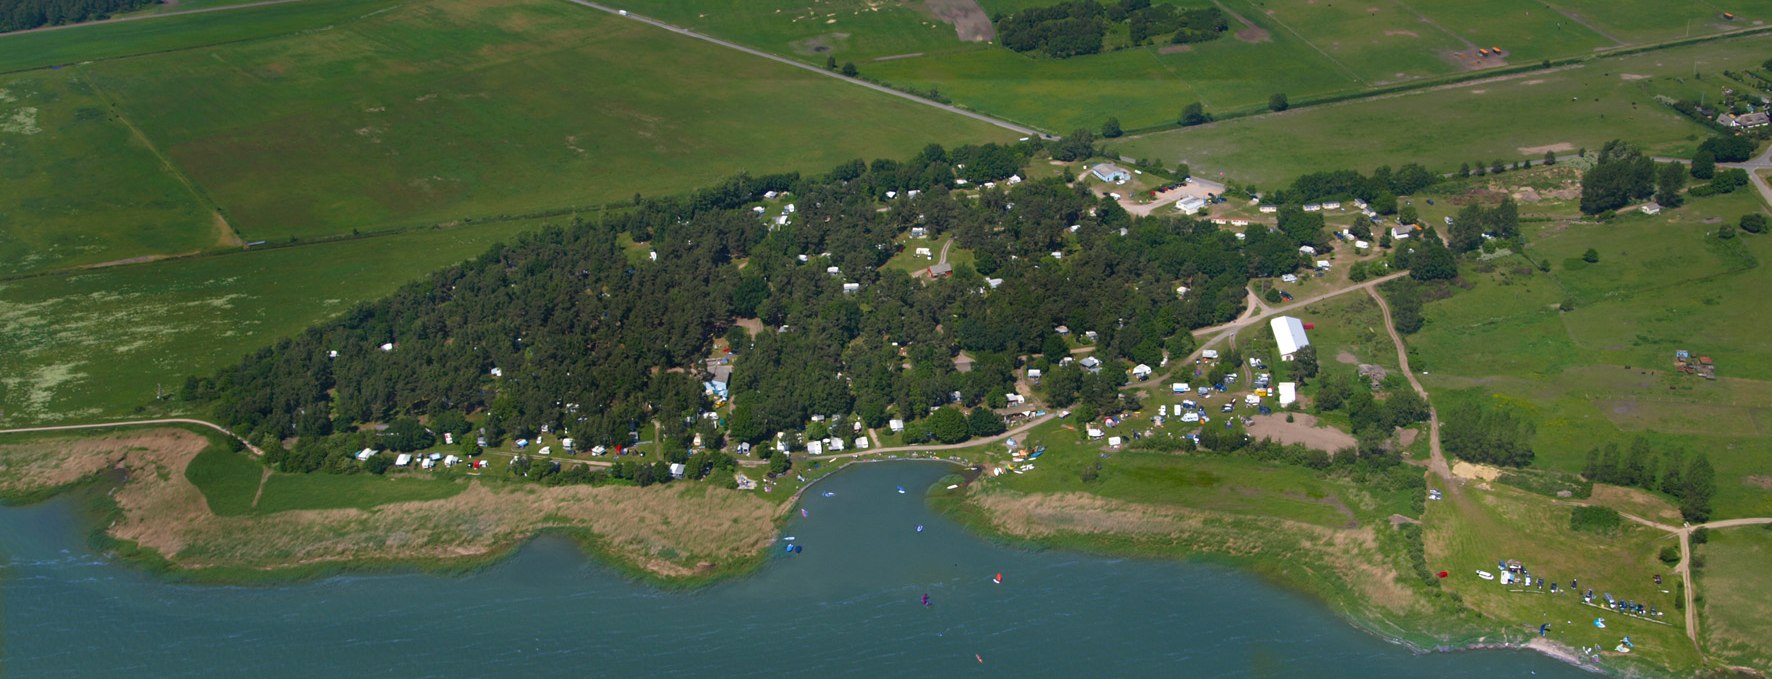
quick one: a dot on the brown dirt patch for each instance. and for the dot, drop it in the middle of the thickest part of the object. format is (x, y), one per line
(1473, 60)
(751, 325)
(1254, 34)
(671, 531)
(1466, 470)
(969, 20)
(1406, 437)
(1175, 49)
(1347, 357)
(1761, 482)
(1411, 34)
(1634, 501)
(1632, 76)
(1302, 430)
(1559, 147)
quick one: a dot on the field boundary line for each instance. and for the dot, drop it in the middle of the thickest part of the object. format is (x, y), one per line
(679, 30)
(190, 186)
(1344, 69)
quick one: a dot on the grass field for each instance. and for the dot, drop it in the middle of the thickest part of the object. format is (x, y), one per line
(437, 112)
(24, 51)
(1735, 616)
(1480, 121)
(96, 345)
(80, 187)
(287, 492)
(1602, 372)
(229, 480)
(1471, 530)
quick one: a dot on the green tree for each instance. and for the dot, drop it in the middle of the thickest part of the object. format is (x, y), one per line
(1592, 256)
(1077, 145)
(378, 464)
(1111, 128)
(948, 425)
(849, 69)
(1304, 363)
(1550, 157)
(1408, 215)
(406, 435)
(1273, 296)
(830, 63)
(1194, 114)
(1753, 223)
(983, 422)
(1704, 164)
(1726, 231)
(1464, 169)
(1700, 484)
(1670, 180)
(1497, 167)
(1277, 103)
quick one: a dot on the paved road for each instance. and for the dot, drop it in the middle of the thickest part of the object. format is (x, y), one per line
(140, 17)
(1028, 131)
(137, 423)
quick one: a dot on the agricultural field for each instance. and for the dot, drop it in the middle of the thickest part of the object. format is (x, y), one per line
(470, 110)
(98, 345)
(1734, 614)
(1571, 108)
(81, 188)
(1603, 371)
(94, 42)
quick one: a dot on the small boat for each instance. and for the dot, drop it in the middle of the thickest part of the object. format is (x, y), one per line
(952, 486)
(802, 512)
(980, 658)
(789, 538)
(919, 528)
(901, 490)
(998, 579)
(1486, 575)
(797, 549)
(1036, 454)
(829, 494)
(790, 549)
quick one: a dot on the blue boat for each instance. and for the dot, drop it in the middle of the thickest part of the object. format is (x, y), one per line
(1037, 454)
(901, 490)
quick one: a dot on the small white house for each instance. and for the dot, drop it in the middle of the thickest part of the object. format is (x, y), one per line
(919, 232)
(815, 447)
(1289, 278)
(836, 445)
(1091, 364)
(365, 454)
(1313, 207)
(1322, 265)
(1269, 209)
(1209, 354)
(403, 460)
(925, 253)
(1332, 205)
(1306, 250)
(1402, 232)
(834, 271)
(678, 469)
(1362, 245)
(861, 443)
(1190, 204)
(851, 288)
(1034, 374)
(1288, 393)
(1109, 172)
(896, 425)
(1651, 208)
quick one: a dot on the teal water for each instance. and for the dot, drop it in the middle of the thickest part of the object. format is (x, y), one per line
(848, 605)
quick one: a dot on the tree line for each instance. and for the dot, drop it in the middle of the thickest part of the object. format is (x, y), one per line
(1080, 27)
(1668, 470)
(19, 15)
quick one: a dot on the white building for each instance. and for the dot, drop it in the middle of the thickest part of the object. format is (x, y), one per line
(1141, 371)
(1289, 336)
(1269, 209)
(896, 425)
(1288, 393)
(1190, 204)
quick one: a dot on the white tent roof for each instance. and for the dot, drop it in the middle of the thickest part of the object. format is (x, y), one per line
(1288, 393)
(1289, 335)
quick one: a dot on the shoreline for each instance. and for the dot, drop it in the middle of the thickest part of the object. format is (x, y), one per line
(93, 501)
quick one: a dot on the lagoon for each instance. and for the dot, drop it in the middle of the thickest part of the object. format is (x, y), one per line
(849, 604)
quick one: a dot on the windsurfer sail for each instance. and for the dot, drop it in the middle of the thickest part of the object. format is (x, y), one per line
(998, 579)
(925, 598)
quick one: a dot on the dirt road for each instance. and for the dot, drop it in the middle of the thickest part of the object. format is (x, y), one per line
(1028, 131)
(1438, 457)
(137, 423)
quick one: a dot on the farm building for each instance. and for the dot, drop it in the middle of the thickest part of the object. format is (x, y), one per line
(1402, 231)
(1109, 172)
(1289, 336)
(941, 270)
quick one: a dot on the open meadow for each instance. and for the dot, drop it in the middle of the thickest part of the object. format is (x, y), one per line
(1514, 118)
(1734, 610)
(98, 345)
(1603, 371)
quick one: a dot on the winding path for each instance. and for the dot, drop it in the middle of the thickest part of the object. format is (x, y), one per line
(138, 423)
(1019, 129)
(1437, 460)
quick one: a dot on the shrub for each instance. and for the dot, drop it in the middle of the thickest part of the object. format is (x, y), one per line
(1669, 555)
(1753, 223)
(1601, 520)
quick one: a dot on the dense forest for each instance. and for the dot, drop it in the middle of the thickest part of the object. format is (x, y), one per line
(19, 15)
(572, 330)
(1081, 26)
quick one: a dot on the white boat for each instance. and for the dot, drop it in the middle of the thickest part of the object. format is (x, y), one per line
(1486, 575)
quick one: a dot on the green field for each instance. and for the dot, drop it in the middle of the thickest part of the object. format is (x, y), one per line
(286, 492)
(424, 114)
(1582, 107)
(96, 345)
(80, 187)
(229, 480)
(23, 51)
(1735, 616)
(1602, 372)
